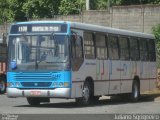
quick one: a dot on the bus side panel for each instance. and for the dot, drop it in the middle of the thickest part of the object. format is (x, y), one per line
(76, 89)
(101, 85)
(126, 77)
(153, 75)
(88, 69)
(115, 70)
(144, 76)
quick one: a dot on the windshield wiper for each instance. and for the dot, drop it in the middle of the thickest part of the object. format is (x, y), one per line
(38, 43)
(56, 44)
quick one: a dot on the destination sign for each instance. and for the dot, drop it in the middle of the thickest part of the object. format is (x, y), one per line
(45, 28)
(38, 28)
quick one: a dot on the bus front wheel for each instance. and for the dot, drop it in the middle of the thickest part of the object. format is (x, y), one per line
(86, 95)
(33, 101)
(2, 85)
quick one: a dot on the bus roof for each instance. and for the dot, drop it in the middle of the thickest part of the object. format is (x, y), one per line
(39, 22)
(95, 28)
(110, 30)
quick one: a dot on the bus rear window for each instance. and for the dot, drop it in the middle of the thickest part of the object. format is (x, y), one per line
(151, 47)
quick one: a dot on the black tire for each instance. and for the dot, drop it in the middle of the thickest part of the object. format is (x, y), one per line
(3, 85)
(86, 95)
(125, 97)
(95, 99)
(33, 101)
(135, 95)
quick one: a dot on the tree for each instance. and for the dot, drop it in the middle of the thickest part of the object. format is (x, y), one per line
(15, 8)
(137, 2)
(3, 11)
(103, 4)
(71, 6)
(99, 4)
(11, 10)
(156, 32)
(41, 8)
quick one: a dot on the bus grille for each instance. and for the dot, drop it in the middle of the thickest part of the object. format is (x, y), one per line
(36, 84)
(34, 76)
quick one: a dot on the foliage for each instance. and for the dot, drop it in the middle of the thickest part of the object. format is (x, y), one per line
(3, 11)
(71, 6)
(40, 8)
(99, 4)
(129, 2)
(103, 4)
(20, 10)
(156, 32)
(15, 8)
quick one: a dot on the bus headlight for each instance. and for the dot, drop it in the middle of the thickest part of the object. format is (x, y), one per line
(60, 84)
(66, 84)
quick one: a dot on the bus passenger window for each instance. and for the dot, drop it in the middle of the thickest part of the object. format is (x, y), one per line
(77, 47)
(152, 53)
(77, 51)
(124, 48)
(113, 47)
(89, 48)
(134, 49)
(143, 49)
(101, 49)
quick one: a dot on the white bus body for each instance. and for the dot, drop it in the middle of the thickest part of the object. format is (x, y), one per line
(111, 76)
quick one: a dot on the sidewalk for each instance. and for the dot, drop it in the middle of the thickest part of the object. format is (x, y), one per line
(155, 92)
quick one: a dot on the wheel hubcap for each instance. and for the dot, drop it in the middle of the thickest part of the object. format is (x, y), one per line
(135, 91)
(86, 93)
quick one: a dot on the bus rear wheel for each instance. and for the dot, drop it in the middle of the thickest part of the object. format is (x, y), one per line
(2, 85)
(86, 95)
(33, 101)
(135, 95)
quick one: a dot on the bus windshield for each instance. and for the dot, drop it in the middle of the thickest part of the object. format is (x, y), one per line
(38, 52)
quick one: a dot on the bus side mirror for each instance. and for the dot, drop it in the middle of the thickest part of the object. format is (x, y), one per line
(13, 65)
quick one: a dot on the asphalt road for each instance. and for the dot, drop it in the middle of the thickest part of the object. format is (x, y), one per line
(62, 106)
(62, 109)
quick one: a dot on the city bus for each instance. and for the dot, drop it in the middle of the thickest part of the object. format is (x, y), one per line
(62, 59)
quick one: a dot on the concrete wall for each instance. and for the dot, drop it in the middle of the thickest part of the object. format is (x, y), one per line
(136, 18)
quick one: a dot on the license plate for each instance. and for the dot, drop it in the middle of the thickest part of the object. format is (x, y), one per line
(35, 93)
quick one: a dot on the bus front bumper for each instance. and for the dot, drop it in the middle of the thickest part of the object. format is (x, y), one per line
(52, 93)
